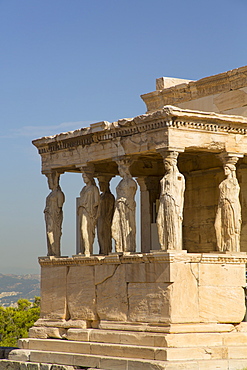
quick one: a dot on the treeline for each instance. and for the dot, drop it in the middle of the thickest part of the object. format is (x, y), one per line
(16, 321)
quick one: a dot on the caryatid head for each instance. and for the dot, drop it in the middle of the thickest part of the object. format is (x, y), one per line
(104, 182)
(87, 174)
(170, 161)
(124, 167)
(53, 180)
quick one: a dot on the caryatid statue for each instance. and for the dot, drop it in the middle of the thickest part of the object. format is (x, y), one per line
(104, 222)
(88, 210)
(170, 213)
(228, 216)
(54, 214)
(124, 222)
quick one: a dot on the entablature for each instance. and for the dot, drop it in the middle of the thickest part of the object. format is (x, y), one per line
(141, 136)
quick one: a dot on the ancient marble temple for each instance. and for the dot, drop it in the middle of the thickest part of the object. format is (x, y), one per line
(179, 300)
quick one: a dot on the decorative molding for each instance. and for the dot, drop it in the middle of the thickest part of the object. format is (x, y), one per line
(155, 256)
(166, 118)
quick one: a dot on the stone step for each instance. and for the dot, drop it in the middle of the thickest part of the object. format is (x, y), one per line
(93, 362)
(126, 351)
(154, 339)
(171, 328)
(116, 363)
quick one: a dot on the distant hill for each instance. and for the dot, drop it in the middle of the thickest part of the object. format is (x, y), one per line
(14, 287)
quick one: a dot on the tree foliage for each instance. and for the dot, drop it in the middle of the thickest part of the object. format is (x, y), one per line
(16, 321)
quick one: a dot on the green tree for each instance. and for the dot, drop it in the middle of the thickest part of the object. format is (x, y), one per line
(16, 321)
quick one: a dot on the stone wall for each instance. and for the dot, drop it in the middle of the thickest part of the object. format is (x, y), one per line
(156, 289)
(223, 93)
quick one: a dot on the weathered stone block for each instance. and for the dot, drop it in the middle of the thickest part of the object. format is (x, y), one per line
(19, 355)
(234, 339)
(148, 273)
(113, 363)
(105, 336)
(53, 292)
(237, 364)
(104, 272)
(213, 365)
(237, 352)
(221, 304)
(81, 296)
(87, 361)
(192, 340)
(9, 365)
(31, 366)
(183, 293)
(45, 366)
(51, 357)
(149, 302)
(77, 334)
(112, 302)
(55, 332)
(222, 275)
(37, 332)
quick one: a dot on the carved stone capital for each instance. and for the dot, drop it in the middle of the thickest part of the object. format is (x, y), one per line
(53, 178)
(124, 163)
(88, 169)
(125, 160)
(104, 178)
(169, 153)
(230, 158)
(52, 172)
(167, 149)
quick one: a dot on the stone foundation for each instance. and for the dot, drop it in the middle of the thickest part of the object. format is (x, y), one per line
(215, 347)
(155, 288)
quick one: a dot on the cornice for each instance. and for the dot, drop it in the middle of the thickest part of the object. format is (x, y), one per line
(167, 118)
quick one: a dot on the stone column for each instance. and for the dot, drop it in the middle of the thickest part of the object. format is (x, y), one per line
(54, 214)
(228, 216)
(145, 216)
(124, 218)
(170, 214)
(149, 193)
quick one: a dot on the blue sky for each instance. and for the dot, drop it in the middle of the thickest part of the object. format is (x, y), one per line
(67, 63)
